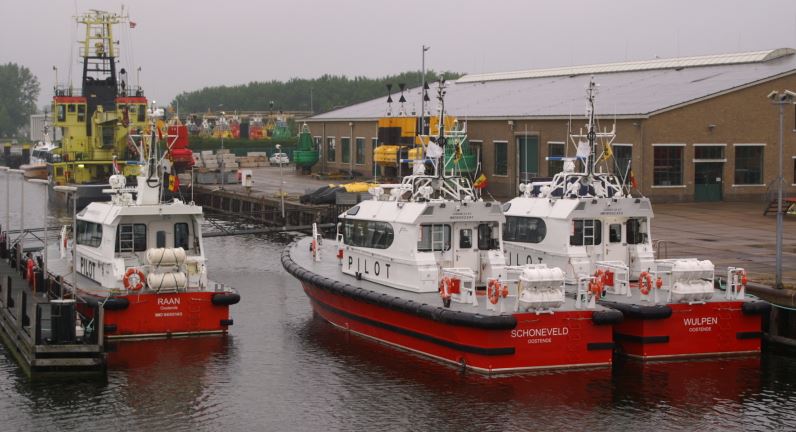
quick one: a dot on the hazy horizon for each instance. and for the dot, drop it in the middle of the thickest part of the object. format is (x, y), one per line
(183, 46)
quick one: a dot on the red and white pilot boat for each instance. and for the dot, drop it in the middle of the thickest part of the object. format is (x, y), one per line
(421, 266)
(587, 222)
(142, 259)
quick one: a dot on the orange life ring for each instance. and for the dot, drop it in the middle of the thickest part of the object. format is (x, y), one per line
(744, 279)
(645, 283)
(445, 287)
(137, 283)
(493, 291)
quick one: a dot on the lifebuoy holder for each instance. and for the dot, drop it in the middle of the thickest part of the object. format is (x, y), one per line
(495, 290)
(645, 283)
(133, 279)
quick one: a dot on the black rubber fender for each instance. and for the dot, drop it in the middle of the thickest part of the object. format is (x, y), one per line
(607, 317)
(643, 312)
(116, 303)
(225, 299)
(756, 307)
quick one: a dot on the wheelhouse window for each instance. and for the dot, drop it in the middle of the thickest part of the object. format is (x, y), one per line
(330, 144)
(434, 238)
(615, 233)
(487, 239)
(586, 232)
(89, 233)
(131, 238)
(668, 165)
(636, 230)
(368, 234)
(81, 113)
(141, 113)
(61, 115)
(501, 158)
(465, 238)
(524, 229)
(181, 235)
(749, 164)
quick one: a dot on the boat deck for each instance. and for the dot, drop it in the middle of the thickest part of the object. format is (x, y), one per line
(329, 267)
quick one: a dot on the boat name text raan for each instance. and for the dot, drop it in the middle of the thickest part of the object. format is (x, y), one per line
(168, 301)
(364, 267)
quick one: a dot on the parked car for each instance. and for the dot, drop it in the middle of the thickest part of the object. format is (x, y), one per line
(278, 158)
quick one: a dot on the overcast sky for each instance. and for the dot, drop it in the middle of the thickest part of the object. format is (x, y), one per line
(187, 45)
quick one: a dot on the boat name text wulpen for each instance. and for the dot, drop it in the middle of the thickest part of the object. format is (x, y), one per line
(703, 321)
(377, 267)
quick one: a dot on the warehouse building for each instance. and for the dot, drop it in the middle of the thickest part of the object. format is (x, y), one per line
(692, 129)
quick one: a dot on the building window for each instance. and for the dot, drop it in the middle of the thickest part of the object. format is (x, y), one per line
(524, 229)
(668, 166)
(330, 149)
(709, 152)
(749, 165)
(317, 141)
(501, 158)
(555, 149)
(345, 144)
(623, 155)
(89, 233)
(360, 151)
(476, 147)
(434, 238)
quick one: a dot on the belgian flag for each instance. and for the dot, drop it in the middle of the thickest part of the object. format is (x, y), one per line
(174, 183)
(480, 182)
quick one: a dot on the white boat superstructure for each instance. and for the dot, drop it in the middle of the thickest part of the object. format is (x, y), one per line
(586, 220)
(136, 242)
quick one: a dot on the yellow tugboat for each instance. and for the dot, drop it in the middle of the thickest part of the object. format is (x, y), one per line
(95, 121)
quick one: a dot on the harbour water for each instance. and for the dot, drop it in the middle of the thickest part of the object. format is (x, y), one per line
(281, 369)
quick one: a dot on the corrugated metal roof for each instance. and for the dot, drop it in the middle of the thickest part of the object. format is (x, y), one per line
(635, 92)
(672, 63)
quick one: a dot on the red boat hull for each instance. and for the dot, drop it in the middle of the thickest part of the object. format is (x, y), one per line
(710, 329)
(562, 340)
(159, 315)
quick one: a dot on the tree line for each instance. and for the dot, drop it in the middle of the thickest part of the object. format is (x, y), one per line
(19, 89)
(317, 95)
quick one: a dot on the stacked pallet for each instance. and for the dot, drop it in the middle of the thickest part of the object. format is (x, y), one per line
(253, 160)
(207, 161)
